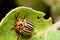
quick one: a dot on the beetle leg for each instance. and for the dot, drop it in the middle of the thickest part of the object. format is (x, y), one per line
(19, 36)
(12, 28)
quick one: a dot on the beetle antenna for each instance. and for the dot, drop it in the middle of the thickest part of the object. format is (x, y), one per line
(16, 16)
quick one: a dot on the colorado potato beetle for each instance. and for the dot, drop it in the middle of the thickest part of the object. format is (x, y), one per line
(23, 26)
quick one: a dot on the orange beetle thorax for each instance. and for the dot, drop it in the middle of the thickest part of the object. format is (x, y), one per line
(19, 24)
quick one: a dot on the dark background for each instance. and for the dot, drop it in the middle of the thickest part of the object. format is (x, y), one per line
(7, 5)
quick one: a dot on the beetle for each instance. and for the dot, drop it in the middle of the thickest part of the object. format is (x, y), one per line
(22, 26)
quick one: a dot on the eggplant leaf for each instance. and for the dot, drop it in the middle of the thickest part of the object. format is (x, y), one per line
(36, 17)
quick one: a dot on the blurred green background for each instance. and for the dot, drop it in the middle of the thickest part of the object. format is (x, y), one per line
(50, 7)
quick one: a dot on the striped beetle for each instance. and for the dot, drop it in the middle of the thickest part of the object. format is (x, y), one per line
(23, 26)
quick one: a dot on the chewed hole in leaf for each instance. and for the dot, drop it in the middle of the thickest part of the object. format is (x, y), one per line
(38, 17)
(46, 16)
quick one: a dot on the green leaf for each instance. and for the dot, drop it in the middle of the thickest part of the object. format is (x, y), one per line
(53, 35)
(7, 23)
